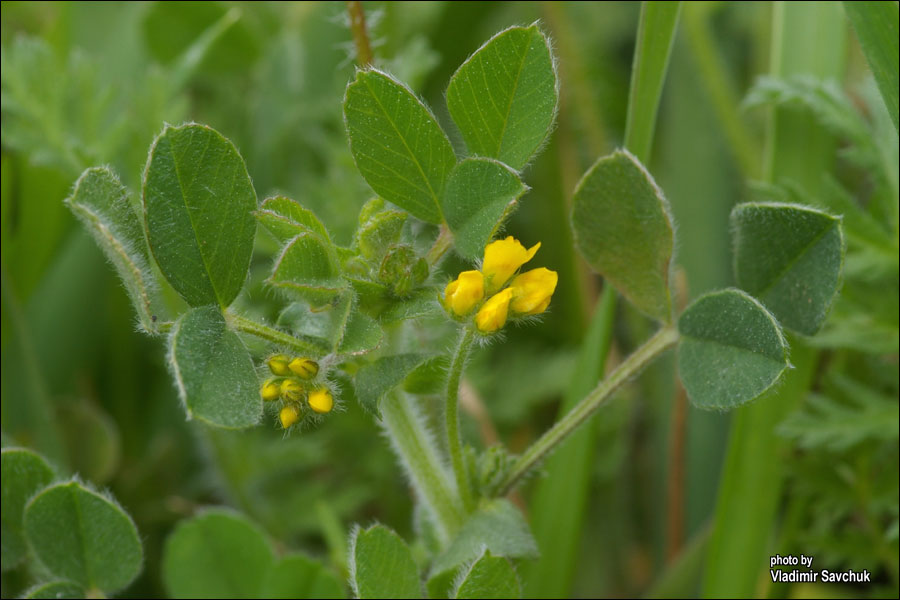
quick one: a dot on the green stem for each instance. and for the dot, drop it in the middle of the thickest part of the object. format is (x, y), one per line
(652, 348)
(271, 334)
(451, 418)
(441, 245)
(411, 440)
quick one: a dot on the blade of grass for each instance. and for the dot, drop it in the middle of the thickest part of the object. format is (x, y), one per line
(559, 502)
(656, 30)
(561, 498)
(807, 38)
(876, 27)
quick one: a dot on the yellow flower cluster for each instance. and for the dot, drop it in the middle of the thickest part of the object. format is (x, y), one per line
(290, 385)
(528, 294)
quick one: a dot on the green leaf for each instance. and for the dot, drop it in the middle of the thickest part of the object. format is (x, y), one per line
(198, 206)
(504, 97)
(656, 31)
(430, 377)
(852, 414)
(731, 350)
(56, 590)
(296, 576)
(309, 269)
(381, 565)
(286, 218)
(876, 27)
(82, 536)
(489, 577)
(379, 232)
(398, 145)
(623, 228)
(480, 195)
(216, 554)
(101, 202)
(362, 334)
(24, 473)
(213, 371)
(377, 378)
(498, 526)
(790, 257)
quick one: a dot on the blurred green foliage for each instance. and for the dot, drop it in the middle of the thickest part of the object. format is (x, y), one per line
(87, 84)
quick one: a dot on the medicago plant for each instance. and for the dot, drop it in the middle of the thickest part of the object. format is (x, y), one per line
(373, 320)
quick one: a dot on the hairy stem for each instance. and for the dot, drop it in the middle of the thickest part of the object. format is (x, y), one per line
(360, 35)
(271, 334)
(656, 345)
(411, 440)
(451, 417)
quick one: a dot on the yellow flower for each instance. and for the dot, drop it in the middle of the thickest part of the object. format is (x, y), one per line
(306, 368)
(503, 258)
(492, 315)
(321, 400)
(464, 292)
(291, 390)
(289, 415)
(278, 364)
(270, 390)
(532, 291)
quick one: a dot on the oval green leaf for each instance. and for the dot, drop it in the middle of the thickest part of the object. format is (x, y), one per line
(497, 526)
(504, 97)
(623, 228)
(308, 269)
(82, 536)
(381, 565)
(101, 202)
(790, 257)
(379, 377)
(286, 218)
(24, 473)
(397, 143)
(217, 554)
(489, 577)
(731, 350)
(213, 371)
(480, 195)
(296, 576)
(198, 207)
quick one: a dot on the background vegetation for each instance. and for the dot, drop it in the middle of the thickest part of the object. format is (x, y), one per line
(653, 497)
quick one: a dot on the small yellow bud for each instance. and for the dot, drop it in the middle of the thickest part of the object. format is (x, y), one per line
(270, 390)
(291, 390)
(503, 258)
(289, 415)
(278, 364)
(321, 400)
(532, 291)
(306, 368)
(463, 293)
(492, 316)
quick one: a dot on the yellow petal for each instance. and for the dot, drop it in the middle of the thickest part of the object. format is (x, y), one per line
(502, 258)
(492, 315)
(306, 368)
(270, 390)
(321, 400)
(532, 291)
(278, 364)
(289, 415)
(462, 294)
